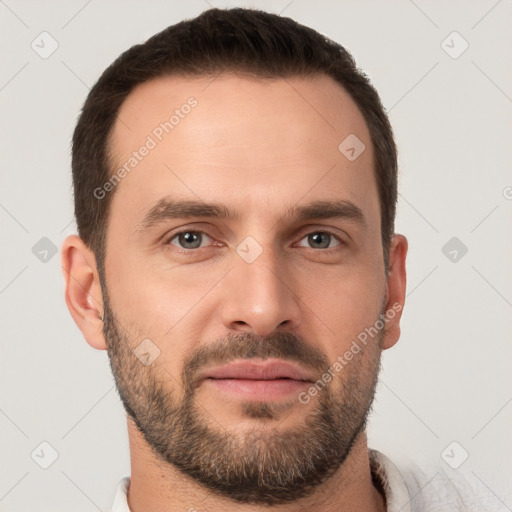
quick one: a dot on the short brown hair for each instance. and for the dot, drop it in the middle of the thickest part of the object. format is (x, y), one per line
(248, 41)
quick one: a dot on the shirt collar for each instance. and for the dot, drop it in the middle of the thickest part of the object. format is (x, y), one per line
(388, 480)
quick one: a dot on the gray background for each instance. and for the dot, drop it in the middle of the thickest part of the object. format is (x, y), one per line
(448, 379)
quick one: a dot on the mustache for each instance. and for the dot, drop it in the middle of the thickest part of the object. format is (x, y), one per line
(247, 345)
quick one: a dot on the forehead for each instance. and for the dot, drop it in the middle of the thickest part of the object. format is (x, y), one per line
(246, 141)
(227, 102)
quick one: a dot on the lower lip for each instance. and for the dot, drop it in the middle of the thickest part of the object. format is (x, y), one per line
(260, 389)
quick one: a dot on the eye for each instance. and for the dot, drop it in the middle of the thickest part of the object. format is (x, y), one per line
(321, 240)
(188, 239)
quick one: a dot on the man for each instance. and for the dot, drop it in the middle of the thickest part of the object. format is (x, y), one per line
(235, 185)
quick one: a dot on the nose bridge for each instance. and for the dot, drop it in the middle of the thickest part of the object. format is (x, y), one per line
(259, 296)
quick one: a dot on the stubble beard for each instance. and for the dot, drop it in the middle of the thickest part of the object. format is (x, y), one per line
(264, 466)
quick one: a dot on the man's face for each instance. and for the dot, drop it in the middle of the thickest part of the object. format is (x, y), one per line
(266, 286)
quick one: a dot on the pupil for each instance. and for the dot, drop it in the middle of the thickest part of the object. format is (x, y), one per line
(190, 238)
(317, 239)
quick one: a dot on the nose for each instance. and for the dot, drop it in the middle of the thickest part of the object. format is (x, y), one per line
(260, 296)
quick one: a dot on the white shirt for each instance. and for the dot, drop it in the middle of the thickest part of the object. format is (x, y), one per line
(408, 490)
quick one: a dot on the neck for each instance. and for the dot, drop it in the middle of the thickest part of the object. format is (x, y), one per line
(156, 486)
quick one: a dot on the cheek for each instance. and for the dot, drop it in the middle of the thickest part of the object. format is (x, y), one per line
(167, 306)
(349, 305)
(154, 298)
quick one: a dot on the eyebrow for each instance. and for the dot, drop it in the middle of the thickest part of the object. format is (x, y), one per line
(167, 208)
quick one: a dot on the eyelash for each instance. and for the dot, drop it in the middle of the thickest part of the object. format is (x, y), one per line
(190, 252)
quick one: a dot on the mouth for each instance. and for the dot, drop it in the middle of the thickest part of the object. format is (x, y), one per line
(269, 379)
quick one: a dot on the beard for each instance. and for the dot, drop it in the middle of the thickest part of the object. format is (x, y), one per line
(264, 466)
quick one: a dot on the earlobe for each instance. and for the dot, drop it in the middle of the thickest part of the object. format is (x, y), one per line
(396, 286)
(83, 290)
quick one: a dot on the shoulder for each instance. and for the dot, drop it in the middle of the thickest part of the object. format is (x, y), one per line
(409, 488)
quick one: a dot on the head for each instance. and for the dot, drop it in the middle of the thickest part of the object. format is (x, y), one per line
(235, 183)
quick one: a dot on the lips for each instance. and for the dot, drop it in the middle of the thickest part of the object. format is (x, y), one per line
(269, 369)
(257, 380)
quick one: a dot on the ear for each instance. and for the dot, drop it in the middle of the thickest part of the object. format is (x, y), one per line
(395, 295)
(83, 290)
